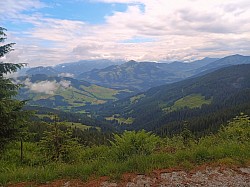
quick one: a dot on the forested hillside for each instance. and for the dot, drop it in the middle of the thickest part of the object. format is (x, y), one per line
(141, 76)
(204, 103)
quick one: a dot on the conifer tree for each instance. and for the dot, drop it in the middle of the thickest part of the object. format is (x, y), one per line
(58, 145)
(11, 114)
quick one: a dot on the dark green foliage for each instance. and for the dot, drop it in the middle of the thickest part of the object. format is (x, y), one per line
(237, 130)
(186, 135)
(4, 50)
(133, 75)
(57, 145)
(230, 146)
(70, 116)
(92, 137)
(11, 114)
(134, 143)
(227, 88)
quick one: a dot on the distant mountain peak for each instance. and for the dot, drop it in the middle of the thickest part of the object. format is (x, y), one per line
(235, 56)
(131, 62)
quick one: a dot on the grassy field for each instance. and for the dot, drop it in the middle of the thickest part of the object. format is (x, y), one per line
(68, 123)
(41, 116)
(73, 97)
(134, 152)
(135, 99)
(102, 92)
(78, 125)
(190, 101)
(121, 120)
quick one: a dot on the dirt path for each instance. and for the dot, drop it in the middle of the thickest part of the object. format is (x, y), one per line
(207, 176)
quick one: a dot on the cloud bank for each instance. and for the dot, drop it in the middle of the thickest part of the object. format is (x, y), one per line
(47, 87)
(154, 30)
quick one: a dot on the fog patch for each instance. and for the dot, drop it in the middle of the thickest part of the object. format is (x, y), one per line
(65, 83)
(47, 87)
(66, 75)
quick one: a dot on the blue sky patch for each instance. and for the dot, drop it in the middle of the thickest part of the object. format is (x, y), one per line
(93, 13)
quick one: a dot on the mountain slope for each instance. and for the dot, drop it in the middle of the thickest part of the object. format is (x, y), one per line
(73, 68)
(64, 93)
(82, 66)
(205, 101)
(224, 62)
(142, 75)
(49, 71)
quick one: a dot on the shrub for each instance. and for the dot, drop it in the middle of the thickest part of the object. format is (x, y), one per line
(134, 143)
(58, 145)
(237, 130)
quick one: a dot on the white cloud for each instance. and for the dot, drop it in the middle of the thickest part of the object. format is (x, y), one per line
(13, 8)
(175, 30)
(64, 83)
(47, 87)
(66, 75)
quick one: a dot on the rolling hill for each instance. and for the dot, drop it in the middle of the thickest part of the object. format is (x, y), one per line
(65, 93)
(205, 102)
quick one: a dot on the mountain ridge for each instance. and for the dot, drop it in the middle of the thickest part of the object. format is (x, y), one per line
(142, 76)
(225, 91)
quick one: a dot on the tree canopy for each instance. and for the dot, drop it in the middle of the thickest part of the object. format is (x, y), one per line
(11, 114)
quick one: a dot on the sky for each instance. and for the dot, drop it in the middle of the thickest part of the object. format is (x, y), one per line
(50, 32)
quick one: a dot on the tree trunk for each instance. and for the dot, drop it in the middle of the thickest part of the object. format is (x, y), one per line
(21, 150)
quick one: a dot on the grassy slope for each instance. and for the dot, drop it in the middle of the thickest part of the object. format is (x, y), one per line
(78, 125)
(230, 146)
(68, 123)
(74, 97)
(120, 120)
(101, 92)
(100, 162)
(136, 98)
(190, 101)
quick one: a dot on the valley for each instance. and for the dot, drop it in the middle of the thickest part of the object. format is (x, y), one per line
(212, 89)
(124, 93)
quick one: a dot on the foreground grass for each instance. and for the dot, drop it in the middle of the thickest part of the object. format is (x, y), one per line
(229, 147)
(97, 163)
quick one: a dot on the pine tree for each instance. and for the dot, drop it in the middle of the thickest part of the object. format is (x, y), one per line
(57, 145)
(11, 114)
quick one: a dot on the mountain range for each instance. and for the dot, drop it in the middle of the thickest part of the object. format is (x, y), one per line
(137, 76)
(205, 102)
(72, 68)
(154, 96)
(141, 76)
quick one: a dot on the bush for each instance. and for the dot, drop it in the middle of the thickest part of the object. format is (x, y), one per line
(134, 143)
(237, 130)
(58, 145)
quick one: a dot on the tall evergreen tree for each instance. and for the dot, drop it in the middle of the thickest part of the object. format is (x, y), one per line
(11, 114)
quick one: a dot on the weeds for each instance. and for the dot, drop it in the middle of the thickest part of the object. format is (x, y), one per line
(132, 152)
